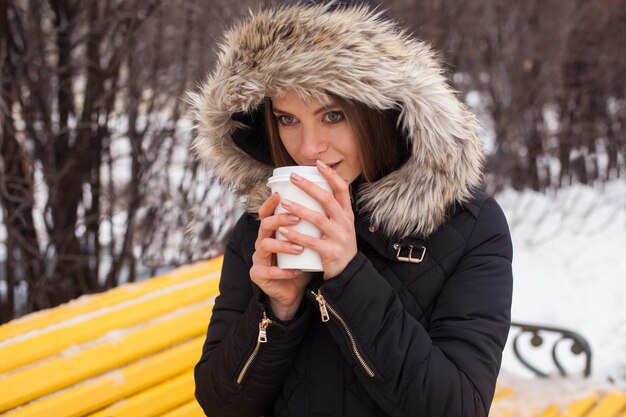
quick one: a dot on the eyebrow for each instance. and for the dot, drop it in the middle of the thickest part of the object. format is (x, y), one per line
(331, 106)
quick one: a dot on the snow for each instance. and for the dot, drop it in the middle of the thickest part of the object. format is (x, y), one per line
(569, 268)
(117, 377)
(479, 103)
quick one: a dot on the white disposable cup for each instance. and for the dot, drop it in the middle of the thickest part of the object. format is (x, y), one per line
(279, 182)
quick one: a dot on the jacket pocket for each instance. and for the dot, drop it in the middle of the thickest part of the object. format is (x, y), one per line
(261, 339)
(325, 309)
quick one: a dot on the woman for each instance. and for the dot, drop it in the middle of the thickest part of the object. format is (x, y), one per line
(412, 311)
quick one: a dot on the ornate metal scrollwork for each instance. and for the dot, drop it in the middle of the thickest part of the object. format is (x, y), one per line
(579, 345)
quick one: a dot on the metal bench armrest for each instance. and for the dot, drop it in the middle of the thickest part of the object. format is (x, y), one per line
(579, 346)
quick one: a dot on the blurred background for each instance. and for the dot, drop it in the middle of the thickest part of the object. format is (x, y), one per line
(98, 187)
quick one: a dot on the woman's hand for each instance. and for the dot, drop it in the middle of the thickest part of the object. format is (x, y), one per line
(284, 287)
(337, 245)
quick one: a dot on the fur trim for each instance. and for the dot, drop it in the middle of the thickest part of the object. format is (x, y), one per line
(354, 53)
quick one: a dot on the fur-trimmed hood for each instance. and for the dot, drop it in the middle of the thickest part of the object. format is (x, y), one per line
(355, 53)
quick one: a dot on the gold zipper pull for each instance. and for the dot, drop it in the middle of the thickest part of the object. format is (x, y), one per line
(322, 302)
(263, 325)
(324, 309)
(262, 338)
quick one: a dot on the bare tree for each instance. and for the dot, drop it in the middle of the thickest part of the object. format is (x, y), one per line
(593, 94)
(549, 75)
(91, 116)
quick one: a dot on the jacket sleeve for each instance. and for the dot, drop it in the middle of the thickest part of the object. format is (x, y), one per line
(451, 368)
(233, 336)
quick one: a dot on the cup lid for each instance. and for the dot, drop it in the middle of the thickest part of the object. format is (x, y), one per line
(309, 172)
(298, 169)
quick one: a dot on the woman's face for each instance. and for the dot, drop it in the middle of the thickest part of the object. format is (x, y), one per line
(315, 130)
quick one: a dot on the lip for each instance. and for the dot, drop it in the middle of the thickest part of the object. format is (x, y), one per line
(334, 166)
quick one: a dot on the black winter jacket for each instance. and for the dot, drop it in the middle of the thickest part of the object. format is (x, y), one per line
(402, 339)
(416, 323)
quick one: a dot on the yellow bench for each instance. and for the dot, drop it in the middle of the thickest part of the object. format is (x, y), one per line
(137, 343)
(131, 351)
(600, 402)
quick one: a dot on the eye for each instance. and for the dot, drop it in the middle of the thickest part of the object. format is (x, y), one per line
(286, 120)
(333, 117)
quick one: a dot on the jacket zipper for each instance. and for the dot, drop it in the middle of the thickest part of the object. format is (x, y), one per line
(324, 309)
(261, 338)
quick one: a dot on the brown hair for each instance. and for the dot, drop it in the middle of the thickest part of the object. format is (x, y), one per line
(375, 131)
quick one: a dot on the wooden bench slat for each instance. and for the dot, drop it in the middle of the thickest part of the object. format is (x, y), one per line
(501, 392)
(610, 406)
(93, 302)
(551, 411)
(28, 350)
(154, 401)
(99, 392)
(580, 407)
(505, 413)
(50, 376)
(191, 409)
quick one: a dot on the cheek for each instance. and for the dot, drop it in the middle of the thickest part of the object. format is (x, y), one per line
(349, 145)
(352, 152)
(292, 147)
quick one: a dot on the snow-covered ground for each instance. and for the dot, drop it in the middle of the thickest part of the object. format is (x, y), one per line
(570, 271)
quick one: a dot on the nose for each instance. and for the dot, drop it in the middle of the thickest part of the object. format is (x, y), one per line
(313, 143)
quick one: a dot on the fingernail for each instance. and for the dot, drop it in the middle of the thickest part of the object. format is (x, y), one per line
(286, 203)
(296, 177)
(297, 247)
(283, 231)
(322, 164)
(293, 218)
(297, 272)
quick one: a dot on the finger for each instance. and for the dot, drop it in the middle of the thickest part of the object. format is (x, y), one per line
(326, 198)
(261, 256)
(317, 219)
(320, 246)
(340, 187)
(262, 272)
(269, 245)
(271, 223)
(269, 205)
